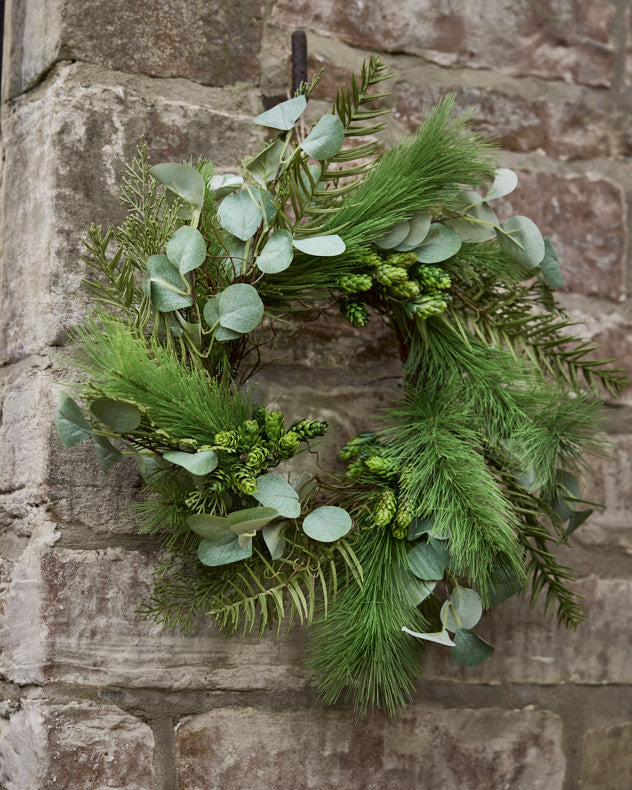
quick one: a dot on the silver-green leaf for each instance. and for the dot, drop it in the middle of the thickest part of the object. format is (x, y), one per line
(213, 554)
(327, 523)
(550, 265)
(199, 464)
(428, 561)
(240, 308)
(240, 214)
(121, 417)
(462, 610)
(107, 454)
(469, 649)
(440, 244)
(325, 139)
(284, 115)
(520, 239)
(395, 235)
(72, 426)
(167, 288)
(264, 166)
(182, 181)
(505, 181)
(276, 255)
(186, 249)
(275, 492)
(321, 246)
(223, 185)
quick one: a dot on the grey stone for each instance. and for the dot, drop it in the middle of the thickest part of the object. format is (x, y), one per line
(429, 747)
(607, 758)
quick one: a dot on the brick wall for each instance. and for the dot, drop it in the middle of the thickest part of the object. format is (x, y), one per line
(94, 697)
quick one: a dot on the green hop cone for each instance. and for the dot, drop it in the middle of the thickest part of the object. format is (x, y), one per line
(219, 481)
(256, 459)
(384, 467)
(371, 260)
(403, 260)
(427, 304)
(249, 433)
(243, 480)
(287, 445)
(354, 447)
(259, 416)
(356, 468)
(274, 425)
(388, 275)
(404, 513)
(385, 508)
(355, 311)
(309, 429)
(353, 283)
(226, 440)
(399, 533)
(409, 289)
(431, 276)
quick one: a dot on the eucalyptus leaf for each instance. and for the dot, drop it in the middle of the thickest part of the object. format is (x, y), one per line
(107, 454)
(428, 561)
(213, 528)
(276, 255)
(419, 526)
(182, 181)
(240, 308)
(251, 519)
(550, 265)
(273, 539)
(151, 466)
(325, 139)
(503, 584)
(223, 185)
(192, 331)
(440, 244)
(327, 523)
(304, 184)
(264, 166)
(199, 464)
(186, 249)
(463, 609)
(469, 649)
(167, 286)
(440, 637)
(414, 590)
(240, 214)
(395, 236)
(238, 255)
(475, 211)
(72, 426)
(504, 183)
(215, 554)
(121, 417)
(283, 115)
(321, 246)
(419, 227)
(268, 206)
(521, 240)
(211, 316)
(275, 492)
(567, 494)
(576, 519)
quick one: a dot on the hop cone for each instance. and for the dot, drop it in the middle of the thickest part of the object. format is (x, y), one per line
(287, 445)
(244, 480)
(403, 260)
(427, 305)
(354, 446)
(385, 467)
(355, 311)
(226, 440)
(409, 289)
(274, 424)
(385, 508)
(256, 459)
(371, 260)
(309, 429)
(249, 433)
(388, 275)
(431, 276)
(353, 283)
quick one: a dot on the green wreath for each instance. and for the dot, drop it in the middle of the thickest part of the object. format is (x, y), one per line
(451, 504)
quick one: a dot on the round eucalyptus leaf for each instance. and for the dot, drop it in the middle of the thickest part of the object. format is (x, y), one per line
(121, 417)
(504, 183)
(414, 590)
(503, 584)
(275, 492)
(394, 236)
(214, 528)
(469, 649)
(276, 255)
(440, 244)
(265, 165)
(472, 232)
(284, 115)
(268, 206)
(107, 454)
(214, 554)
(419, 526)
(428, 561)
(550, 265)
(251, 519)
(223, 185)
(72, 426)
(274, 540)
(325, 139)
(327, 523)
(199, 464)
(440, 637)
(463, 609)
(211, 316)
(238, 255)
(183, 181)
(240, 214)
(240, 308)
(186, 249)
(321, 246)
(167, 287)
(520, 239)
(419, 227)
(576, 519)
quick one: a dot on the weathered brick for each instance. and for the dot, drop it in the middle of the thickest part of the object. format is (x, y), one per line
(585, 218)
(565, 131)
(213, 43)
(78, 746)
(567, 40)
(607, 758)
(531, 649)
(71, 616)
(428, 746)
(75, 184)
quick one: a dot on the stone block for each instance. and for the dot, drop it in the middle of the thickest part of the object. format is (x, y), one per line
(529, 648)
(429, 746)
(585, 218)
(570, 40)
(78, 746)
(607, 758)
(71, 616)
(74, 161)
(563, 130)
(213, 43)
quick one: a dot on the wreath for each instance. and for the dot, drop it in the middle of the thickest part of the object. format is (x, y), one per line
(452, 502)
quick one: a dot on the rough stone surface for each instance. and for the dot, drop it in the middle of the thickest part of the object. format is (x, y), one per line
(71, 616)
(564, 131)
(213, 43)
(607, 758)
(79, 746)
(529, 648)
(428, 747)
(585, 218)
(568, 40)
(76, 184)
